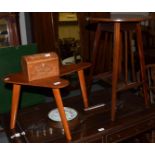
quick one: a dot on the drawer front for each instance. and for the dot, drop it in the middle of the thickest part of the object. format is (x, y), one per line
(95, 139)
(98, 140)
(130, 131)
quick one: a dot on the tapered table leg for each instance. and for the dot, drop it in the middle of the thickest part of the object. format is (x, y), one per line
(83, 88)
(94, 56)
(142, 63)
(60, 106)
(14, 105)
(116, 58)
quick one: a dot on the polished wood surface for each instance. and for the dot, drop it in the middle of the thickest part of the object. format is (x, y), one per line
(118, 18)
(19, 78)
(95, 125)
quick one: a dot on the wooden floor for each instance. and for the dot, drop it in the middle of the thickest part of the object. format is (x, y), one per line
(94, 126)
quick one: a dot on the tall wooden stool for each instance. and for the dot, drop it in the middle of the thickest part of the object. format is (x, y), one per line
(118, 25)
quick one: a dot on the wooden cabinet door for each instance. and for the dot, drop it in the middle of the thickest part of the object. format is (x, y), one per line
(45, 30)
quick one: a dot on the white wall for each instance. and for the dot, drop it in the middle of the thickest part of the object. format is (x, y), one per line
(22, 28)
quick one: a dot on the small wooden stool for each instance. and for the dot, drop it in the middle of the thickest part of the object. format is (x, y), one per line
(54, 83)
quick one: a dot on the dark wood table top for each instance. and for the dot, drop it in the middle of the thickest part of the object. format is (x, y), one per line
(127, 22)
(95, 126)
(52, 82)
(122, 18)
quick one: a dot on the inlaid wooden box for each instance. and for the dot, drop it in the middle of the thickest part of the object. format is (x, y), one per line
(40, 66)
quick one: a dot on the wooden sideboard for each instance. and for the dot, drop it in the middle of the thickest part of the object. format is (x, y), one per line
(95, 126)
